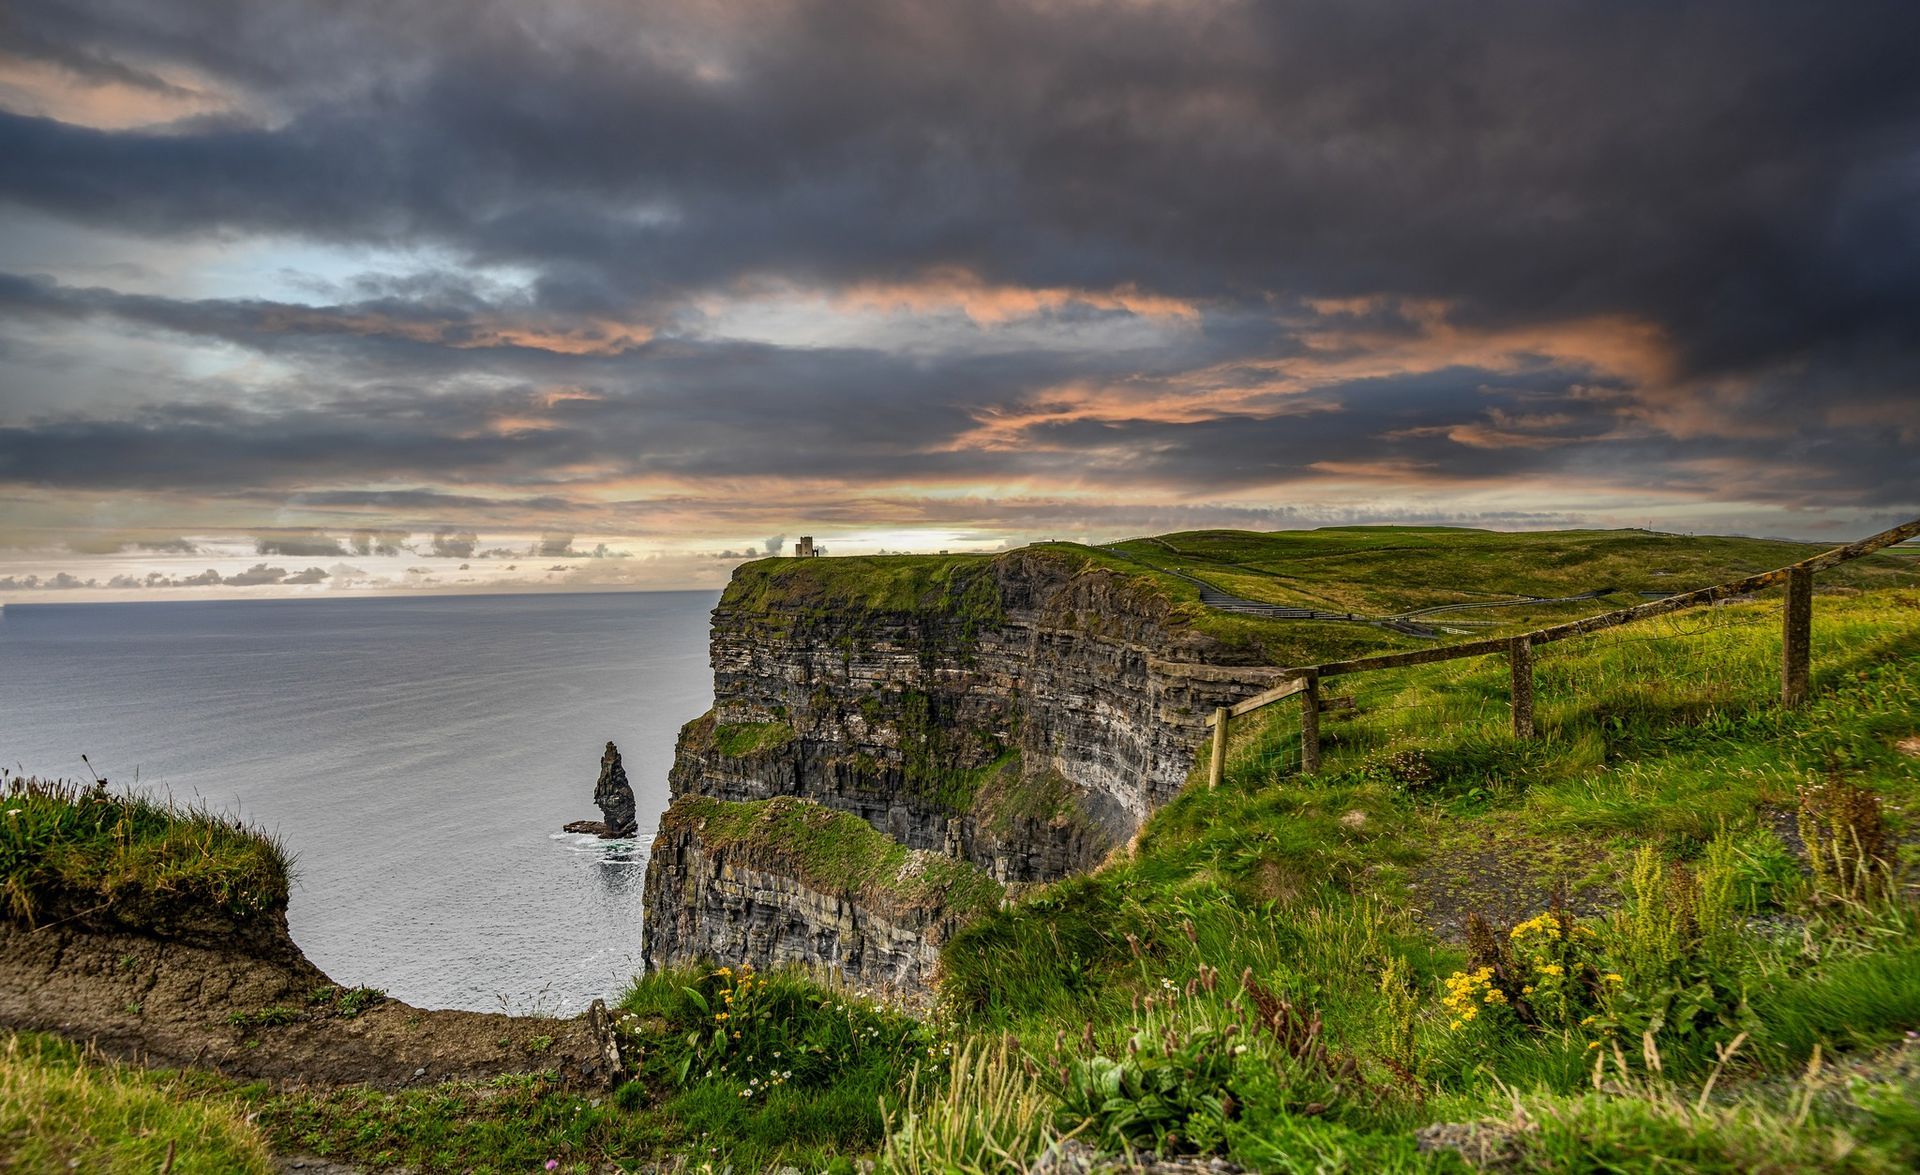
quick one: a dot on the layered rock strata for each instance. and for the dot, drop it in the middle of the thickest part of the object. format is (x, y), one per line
(754, 883)
(1023, 713)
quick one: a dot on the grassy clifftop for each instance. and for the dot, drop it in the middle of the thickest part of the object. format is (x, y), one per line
(943, 585)
(68, 851)
(1381, 570)
(1372, 572)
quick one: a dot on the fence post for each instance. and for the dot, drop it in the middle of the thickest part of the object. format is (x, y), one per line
(1520, 655)
(1796, 644)
(1218, 768)
(1310, 726)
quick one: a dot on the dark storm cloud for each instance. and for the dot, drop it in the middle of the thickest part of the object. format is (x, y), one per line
(1739, 171)
(1740, 176)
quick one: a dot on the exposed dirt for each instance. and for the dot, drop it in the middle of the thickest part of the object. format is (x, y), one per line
(1504, 880)
(255, 1008)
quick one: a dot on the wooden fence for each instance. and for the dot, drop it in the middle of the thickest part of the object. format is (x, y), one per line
(1796, 654)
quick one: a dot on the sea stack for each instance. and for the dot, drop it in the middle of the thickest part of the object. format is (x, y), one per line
(614, 795)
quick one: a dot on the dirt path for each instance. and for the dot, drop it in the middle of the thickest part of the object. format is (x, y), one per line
(262, 1011)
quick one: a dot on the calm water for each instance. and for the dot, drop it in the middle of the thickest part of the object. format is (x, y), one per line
(418, 755)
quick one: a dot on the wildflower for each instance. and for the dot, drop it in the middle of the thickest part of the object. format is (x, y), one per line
(1614, 977)
(1591, 1045)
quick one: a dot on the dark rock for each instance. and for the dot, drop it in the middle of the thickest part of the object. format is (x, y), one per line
(614, 795)
(1029, 734)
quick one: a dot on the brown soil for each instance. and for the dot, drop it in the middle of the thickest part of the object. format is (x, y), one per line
(203, 1002)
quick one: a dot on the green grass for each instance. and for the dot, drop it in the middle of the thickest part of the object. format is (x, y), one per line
(732, 1068)
(834, 852)
(1370, 571)
(877, 583)
(68, 851)
(1667, 739)
(1661, 796)
(1379, 570)
(63, 1109)
(745, 738)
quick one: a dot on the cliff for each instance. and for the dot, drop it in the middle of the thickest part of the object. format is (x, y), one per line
(790, 881)
(1022, 714)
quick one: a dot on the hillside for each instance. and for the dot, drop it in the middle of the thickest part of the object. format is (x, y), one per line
(1677, 931)
(1385, 571)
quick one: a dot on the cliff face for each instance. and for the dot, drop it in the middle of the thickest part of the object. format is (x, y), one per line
(786, 881)
(1023, 713)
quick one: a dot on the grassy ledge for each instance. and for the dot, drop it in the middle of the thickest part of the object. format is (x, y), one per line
(835, 853)
(84, 853)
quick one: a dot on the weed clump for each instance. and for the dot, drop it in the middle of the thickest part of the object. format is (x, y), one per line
(1850, 847)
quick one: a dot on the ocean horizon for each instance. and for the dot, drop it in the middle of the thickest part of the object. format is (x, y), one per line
(416, 754)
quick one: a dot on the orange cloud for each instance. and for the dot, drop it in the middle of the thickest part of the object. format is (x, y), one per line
(47, 90)
(1635, 352)
(1633, 349)
(593, 336)
(953, 288)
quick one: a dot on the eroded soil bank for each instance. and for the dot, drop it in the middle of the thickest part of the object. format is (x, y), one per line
(257, 1009)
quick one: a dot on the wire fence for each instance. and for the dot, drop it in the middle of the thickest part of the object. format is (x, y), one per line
(1615, 675)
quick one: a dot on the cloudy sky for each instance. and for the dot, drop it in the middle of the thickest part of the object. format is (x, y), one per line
(309, 296)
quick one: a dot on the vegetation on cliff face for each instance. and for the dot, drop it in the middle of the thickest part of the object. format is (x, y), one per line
(835, 853)
(745, 738)
(73, 851)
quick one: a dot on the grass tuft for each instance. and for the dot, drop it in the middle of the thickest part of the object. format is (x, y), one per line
(83, 852)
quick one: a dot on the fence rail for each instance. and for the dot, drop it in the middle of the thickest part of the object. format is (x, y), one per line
(1796, 655)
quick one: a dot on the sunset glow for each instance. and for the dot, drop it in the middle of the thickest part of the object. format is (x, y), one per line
(685, 285)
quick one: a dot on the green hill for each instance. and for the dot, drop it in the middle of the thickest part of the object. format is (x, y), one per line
(1677, 931)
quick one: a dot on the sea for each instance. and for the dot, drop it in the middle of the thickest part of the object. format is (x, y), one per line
(418, 756)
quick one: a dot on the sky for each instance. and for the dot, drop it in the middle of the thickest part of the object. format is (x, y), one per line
(477, 295)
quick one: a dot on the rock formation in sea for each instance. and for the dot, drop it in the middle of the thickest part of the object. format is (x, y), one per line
(614, 795)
